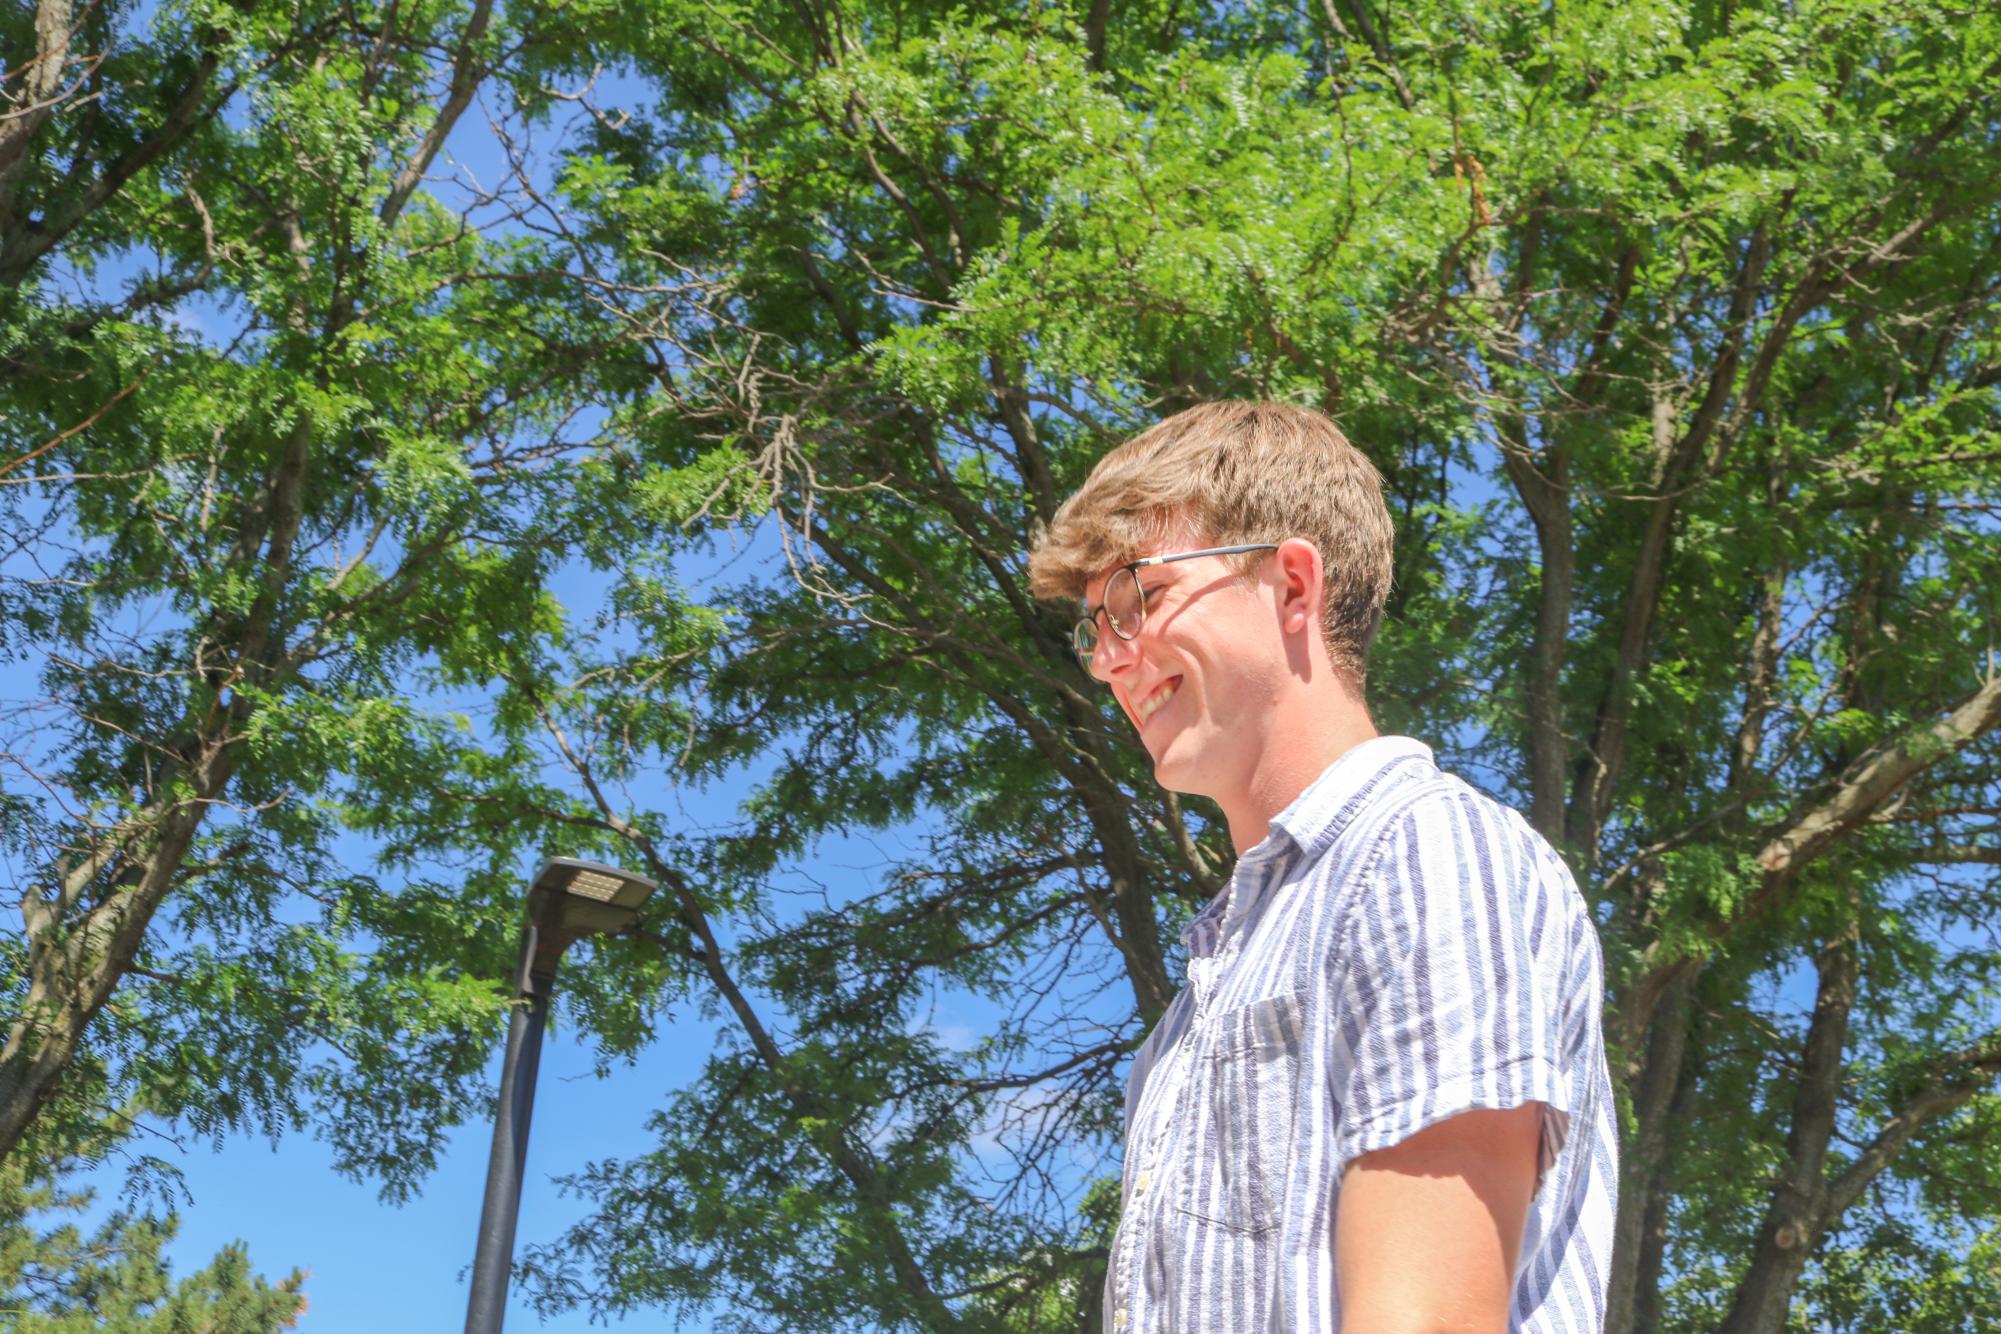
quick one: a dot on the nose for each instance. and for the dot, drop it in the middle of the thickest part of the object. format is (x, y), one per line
(1113, 654)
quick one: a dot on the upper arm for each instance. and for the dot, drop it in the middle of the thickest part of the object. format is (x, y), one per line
(1428, 1231)
(1457, 1092)
(1457, 994)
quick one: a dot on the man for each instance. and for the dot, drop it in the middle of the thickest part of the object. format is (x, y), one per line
(1381, 1102)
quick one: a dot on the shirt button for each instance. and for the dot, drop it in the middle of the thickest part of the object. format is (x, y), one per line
(1119, 1318)
(1140, 1184)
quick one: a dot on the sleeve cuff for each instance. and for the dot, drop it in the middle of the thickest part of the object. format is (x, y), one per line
(1532, 1079)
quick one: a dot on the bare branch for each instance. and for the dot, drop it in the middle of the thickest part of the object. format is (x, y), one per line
(468, 69)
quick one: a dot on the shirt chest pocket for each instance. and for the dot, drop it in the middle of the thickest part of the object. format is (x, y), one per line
(1252, 1072)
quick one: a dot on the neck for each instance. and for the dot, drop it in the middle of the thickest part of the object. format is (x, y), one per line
(1309, 728)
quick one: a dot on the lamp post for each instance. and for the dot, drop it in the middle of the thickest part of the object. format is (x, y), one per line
(567, 901)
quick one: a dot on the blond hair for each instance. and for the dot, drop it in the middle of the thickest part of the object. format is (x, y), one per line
(1230, 473)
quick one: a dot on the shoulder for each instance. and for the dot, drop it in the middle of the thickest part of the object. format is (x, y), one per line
(1450, 821)
(1452, 855)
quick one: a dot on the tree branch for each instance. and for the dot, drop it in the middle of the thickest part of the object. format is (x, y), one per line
(1876, 776)
(467, 71)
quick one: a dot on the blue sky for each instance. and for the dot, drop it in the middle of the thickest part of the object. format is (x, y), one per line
(376, 1268)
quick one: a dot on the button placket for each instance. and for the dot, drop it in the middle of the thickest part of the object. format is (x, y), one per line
(1206, 975)
(1127, 1240)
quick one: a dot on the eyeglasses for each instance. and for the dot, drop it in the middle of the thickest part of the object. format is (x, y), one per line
(1125, 601)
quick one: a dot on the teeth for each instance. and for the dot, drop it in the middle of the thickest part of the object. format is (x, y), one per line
(1152, 705)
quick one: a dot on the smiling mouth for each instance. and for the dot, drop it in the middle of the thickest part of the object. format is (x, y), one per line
(1152, 703)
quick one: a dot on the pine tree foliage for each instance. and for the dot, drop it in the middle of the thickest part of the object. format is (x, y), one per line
(67, 1278)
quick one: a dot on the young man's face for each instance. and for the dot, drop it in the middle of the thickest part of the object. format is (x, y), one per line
(1199, 679)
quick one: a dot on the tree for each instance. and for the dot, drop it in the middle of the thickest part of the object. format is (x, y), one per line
(64, 1281)
(281, 408)
(1672, 327)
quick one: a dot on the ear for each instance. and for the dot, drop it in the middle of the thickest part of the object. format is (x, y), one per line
(1298, 576)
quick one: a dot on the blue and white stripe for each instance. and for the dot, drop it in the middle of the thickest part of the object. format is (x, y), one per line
(1398, 950)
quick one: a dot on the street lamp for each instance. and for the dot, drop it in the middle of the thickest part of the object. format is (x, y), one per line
(567, 901)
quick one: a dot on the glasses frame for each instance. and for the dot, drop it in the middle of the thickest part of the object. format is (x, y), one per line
(1084, 634)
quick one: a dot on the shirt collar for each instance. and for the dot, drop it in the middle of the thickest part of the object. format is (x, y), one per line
(1317, 816)
(1311, 823)
(1205, 930)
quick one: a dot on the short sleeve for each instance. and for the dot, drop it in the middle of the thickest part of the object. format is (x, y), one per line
(1454, 997)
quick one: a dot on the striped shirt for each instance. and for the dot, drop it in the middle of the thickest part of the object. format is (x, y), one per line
(1399, 949)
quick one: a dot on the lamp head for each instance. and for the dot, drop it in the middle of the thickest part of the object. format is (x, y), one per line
(571, 899)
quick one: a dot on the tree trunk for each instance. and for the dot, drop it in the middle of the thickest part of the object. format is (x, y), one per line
(73, 967)
(1642, 1168)
(1547, 498)
(1797, 1215)
(41, 92)
(1651, 1264)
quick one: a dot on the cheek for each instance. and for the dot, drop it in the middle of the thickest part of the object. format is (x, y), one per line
(1238, 669)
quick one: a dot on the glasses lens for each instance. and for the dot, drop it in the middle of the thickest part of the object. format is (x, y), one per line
(1084, 638)
(1125, 607)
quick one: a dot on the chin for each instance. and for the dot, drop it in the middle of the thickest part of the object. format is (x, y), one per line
(1197, 761)
(1177, 772)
